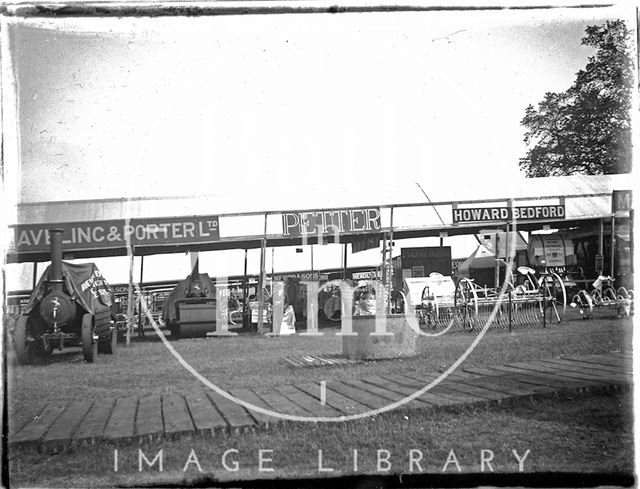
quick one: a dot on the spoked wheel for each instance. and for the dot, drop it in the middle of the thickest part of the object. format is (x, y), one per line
(552, 288)
(466, 303)
(89, 343)
(25, 348)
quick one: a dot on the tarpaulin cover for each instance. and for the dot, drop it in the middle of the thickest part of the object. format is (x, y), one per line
(480, 258)
(180, 292)
(83, 282)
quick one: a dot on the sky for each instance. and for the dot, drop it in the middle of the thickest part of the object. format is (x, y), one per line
(245, 106)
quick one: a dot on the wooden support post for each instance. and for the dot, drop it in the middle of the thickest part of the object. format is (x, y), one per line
(263, 250)
(390, 270)
(497, 254)
(130, 298)
(344, 262)
(613, 247)
(142, 316)
(246, 320)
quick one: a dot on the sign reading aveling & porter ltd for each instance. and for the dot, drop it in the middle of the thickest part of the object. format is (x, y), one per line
(524, 213)
(30, 238)
(331, 222)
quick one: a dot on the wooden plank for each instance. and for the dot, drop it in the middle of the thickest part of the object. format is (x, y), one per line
(423, 401)
(92, 427)
(149, 422)
(19, 418)
(539, 367)
(176, 416)
(307, 402)
(363, 397)
(542, 378)
(613, 377)
(604, 361)
(252, 398)
(234, 414)
(60, 433)
(496, 384)
(281, 403)
(613, 369)
(438, 390)
(206, 418)
(384, 392)
(34, 431)
(514, 381)
(341, 403)
(121, 423)
(478, 392)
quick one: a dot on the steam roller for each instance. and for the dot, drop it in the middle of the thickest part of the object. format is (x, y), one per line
(71, 306)
(190, 309)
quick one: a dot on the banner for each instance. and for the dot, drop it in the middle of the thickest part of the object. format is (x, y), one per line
(29, 238)
(331, 222)
(524, 213)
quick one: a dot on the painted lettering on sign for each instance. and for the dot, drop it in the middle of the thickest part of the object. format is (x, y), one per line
(533, 212)
(621, 201)
(31, 238)
(331, 222)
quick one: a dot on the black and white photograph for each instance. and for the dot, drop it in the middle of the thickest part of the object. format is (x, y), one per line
(318, 243)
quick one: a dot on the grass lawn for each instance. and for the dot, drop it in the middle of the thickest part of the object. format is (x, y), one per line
(249, 361)
(587, 434)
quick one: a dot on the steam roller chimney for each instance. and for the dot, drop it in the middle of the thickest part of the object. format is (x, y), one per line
(55, 238)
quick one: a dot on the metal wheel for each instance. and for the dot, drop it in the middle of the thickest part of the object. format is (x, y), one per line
(466, 303)
(552, 288)
(89, 343)
(25, 350)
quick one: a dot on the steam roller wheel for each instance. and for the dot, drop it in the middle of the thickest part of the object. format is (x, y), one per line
(89, 345)
(24, 347)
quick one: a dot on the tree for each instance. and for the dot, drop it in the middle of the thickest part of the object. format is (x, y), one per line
(586, 129)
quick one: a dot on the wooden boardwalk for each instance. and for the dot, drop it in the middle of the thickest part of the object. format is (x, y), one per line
(54, 427)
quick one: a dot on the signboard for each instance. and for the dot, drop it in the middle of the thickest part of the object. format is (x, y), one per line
(438, 287)
(427, 259)
(331, 222)
(367, 275)
(599, 263)
(30, 238)
(621, 202)
(524, 213)
(312, 276)
(365, 242)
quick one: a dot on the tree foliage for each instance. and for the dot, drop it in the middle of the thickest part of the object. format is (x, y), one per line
(587, 128)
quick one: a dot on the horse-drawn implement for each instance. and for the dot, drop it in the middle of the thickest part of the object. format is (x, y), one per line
(604, 296)
(538, 300)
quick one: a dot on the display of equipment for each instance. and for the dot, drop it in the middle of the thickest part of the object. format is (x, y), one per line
(70, 306)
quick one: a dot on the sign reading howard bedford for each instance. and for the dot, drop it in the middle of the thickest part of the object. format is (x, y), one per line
(331, 222)
(524, 213)
(31, 238)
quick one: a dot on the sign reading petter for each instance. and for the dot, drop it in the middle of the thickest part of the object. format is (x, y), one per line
(524, 213)
(331, 222)
(29, 238)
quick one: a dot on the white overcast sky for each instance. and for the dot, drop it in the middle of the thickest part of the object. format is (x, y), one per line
(245, 105)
